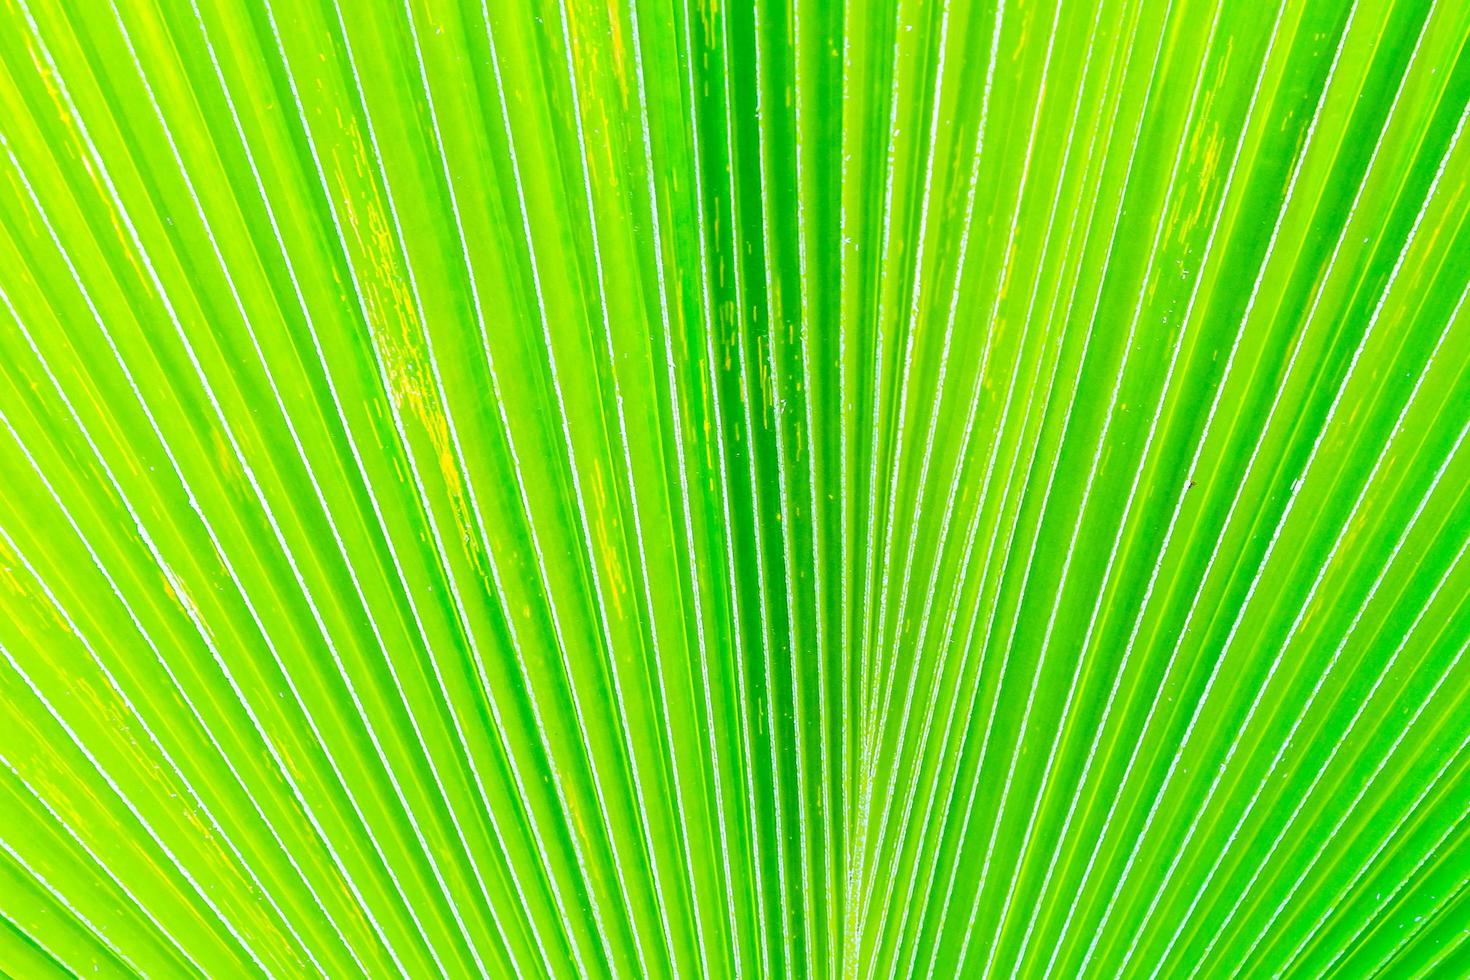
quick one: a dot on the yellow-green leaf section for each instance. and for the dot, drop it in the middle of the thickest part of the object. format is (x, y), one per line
(792, 488)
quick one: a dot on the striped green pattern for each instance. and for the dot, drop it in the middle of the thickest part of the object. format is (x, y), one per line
(763, 488)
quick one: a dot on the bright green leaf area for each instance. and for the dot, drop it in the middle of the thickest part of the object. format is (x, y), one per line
(765, 488)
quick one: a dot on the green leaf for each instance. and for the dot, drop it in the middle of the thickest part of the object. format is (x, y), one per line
(563, 488)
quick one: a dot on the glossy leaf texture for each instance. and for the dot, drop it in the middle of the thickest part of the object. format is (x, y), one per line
(780, 488)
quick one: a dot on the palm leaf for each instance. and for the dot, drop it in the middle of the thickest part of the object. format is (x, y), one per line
(793, 488)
